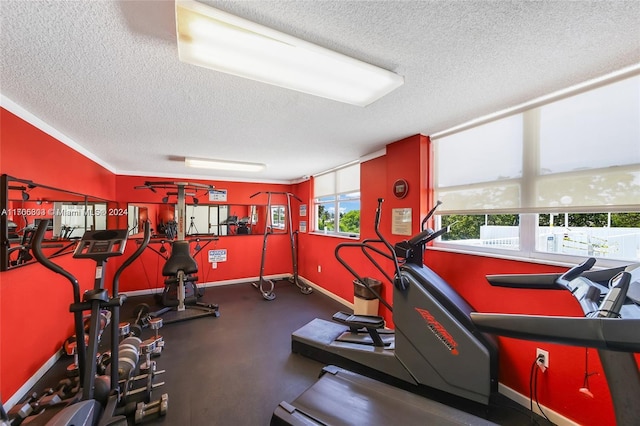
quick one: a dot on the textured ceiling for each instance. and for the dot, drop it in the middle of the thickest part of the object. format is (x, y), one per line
(106, 75)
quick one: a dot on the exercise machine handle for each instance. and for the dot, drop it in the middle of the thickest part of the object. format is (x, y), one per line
(40, 257)
(36, 248)
(288, 194)
(132, 258)
(428, 216)
(576, 271)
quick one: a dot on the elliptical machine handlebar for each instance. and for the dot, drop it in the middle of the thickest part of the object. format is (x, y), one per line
(40, 257)
(36, 248)
(115, 314)
(132, 258)
(398, 281)
(368, 245)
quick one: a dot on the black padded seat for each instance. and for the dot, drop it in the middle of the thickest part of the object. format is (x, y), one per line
(180, 260)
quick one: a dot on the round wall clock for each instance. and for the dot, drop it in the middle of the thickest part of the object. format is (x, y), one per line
(400, 188)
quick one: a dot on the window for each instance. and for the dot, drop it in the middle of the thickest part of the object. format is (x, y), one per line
(278, 217)
(337, 201)
(558, 179)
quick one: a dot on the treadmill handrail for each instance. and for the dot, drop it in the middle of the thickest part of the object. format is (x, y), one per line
(614, 334)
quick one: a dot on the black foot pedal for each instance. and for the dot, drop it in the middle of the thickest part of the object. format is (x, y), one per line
(355, 322)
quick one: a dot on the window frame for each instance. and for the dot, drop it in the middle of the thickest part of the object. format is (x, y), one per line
(341, 192)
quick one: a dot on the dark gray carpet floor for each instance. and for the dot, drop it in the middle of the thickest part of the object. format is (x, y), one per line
(235, 369)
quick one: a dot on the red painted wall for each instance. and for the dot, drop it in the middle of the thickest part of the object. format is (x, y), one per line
(34, 302)
(29, 153)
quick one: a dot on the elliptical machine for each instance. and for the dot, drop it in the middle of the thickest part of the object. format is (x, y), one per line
(435, 344)
(99, 401)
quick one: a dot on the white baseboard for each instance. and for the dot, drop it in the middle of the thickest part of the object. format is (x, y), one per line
(327, 293)
(523, 400)
(210, 284)
(20, 393)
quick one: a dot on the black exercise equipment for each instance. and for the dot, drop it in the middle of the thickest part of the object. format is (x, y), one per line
(237, 226)
(100, 399)
(435, 344)
(268, 293)
(610, 302)
(431, 346)
(180, 295)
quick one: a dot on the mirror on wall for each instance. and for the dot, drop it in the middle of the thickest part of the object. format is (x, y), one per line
(200, 219)
(24, 204)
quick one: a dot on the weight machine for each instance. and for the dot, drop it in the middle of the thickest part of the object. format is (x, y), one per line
(180, 266)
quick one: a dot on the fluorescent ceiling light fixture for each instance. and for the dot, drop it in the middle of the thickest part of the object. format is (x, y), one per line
(214, 39)
(236, 166)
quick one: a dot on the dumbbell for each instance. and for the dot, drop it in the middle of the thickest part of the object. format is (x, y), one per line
(155, 324)
(72, 349)
(148, 347)
(141, 312)
(158, 407)
(49, 397)
(19, 412)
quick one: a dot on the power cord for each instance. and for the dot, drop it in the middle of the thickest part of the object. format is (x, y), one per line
(533, 388)
(585, 390)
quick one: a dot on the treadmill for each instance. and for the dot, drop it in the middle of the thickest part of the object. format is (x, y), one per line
(610, 300)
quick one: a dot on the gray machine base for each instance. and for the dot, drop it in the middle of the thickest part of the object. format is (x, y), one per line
(341, 397)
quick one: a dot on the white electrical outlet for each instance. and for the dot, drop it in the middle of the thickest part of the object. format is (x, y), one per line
(545, 357)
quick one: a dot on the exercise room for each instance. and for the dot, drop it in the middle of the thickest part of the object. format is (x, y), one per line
(294, 212)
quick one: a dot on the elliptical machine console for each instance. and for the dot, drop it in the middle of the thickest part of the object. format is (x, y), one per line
(100, 245)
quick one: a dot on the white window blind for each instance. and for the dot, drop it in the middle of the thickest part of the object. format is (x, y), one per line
(578, 154)
(339, 181)
(348, 179)
(324, 185)
(480, 169)
(590, 149)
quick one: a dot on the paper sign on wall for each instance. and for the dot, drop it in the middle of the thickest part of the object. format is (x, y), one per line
(219, 255)
(218, 195)
(401, 224)
(303, 226)
(303, 210)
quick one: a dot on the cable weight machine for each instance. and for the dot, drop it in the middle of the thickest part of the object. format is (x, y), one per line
(264, 285)
(180, 266)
